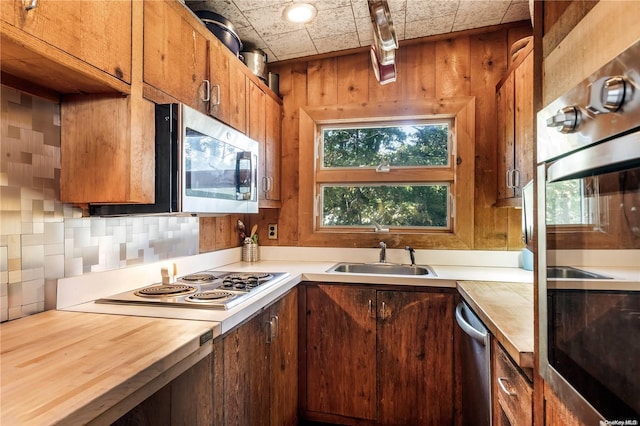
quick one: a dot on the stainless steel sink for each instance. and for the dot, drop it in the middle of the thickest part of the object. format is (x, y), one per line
(575, 273)
(382, 269)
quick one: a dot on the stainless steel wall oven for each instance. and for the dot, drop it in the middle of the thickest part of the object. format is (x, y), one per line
(588, 218)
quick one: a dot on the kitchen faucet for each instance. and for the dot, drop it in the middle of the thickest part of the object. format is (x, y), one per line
(411, 254)
(383, 252)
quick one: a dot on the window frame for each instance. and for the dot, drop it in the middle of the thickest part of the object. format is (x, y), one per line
(460, 112)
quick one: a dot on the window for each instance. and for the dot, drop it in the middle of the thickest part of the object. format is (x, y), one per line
(387, 174)
(407, 167)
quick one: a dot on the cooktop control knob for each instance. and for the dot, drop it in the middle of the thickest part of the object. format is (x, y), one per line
(608, 94)
(566, 119)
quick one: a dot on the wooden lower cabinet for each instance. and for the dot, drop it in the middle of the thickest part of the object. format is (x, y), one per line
(512, 391)
(371, 356)
(258, 375)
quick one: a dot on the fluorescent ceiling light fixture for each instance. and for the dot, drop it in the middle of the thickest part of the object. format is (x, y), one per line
(299, 13)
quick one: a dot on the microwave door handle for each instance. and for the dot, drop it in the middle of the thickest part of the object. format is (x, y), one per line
(244, 184)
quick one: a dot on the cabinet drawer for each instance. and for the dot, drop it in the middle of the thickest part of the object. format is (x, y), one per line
(513, 392)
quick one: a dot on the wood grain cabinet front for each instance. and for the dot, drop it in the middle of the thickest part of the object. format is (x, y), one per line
(515, 118)
(175, 47)
(257, 376)
(70, 46)
(376, 356)
(512, 392)
(264, 127)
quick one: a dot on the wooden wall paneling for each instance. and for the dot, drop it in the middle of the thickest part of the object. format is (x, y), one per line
(353, 81)
(560, 17)
(418, 71)
(452, 68)
(226, 234)
(263, 218)
(207, 226)
(293, 88)
(390, 91)
(488, 63)
(322, 86)
(465, 205)
(571, 62)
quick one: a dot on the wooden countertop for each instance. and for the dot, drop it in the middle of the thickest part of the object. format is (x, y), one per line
(77, 368)
(506, 309)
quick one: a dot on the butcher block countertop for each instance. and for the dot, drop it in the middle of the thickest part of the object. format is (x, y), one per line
(506, 309)
(79, 368)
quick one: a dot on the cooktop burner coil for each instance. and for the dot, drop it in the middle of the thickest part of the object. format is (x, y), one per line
(198, 278)
(210, 296)
(166, 290)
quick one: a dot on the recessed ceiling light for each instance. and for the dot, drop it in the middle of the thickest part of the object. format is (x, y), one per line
(299, 13)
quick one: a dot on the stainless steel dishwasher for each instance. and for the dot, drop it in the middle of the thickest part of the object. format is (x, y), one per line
(476, 367)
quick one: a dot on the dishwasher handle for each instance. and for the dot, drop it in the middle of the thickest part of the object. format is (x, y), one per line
(476, 335)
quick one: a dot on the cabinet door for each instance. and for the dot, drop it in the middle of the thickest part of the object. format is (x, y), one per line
(341, 346)
(246, 373)
(283, 356)
(175, 53)
(524, 123)
(237, 96)
(506, 135)
(97, 32)
(272, 149)
(415, 358)
(220, 103)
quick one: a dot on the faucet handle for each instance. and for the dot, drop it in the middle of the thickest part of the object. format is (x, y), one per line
(411, 254)
(378, 227)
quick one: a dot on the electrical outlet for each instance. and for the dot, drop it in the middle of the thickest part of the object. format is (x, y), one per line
(273, 231)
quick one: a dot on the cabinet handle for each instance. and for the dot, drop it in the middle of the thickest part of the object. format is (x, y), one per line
(516, 178)
(501, 381)
(508, 179)
(32, 5)
(384, 308)
(269, 183)
(277, 322)
(207, 91)
(370, 307)
(270, 333)
(218, 93)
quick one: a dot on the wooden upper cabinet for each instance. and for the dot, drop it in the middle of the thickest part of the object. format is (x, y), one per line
(175, 53)
(264, 127)
(237, 96)
(108, 149)
(272, 150)
(220, 100)
(515, 119)
(69, 46)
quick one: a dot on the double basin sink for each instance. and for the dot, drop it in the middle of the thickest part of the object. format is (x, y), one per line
(382, 269)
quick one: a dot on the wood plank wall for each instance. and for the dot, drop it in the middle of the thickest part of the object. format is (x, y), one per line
(464, 65)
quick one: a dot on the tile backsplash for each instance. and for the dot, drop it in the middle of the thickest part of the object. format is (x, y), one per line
(42, 239)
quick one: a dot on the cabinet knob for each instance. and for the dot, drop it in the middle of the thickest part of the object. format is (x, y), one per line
(32, 5)
(566, 119)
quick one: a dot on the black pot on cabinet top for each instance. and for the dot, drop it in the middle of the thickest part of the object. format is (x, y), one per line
(222, 28)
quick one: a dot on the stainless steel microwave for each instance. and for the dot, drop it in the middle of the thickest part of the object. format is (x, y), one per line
(203, 166)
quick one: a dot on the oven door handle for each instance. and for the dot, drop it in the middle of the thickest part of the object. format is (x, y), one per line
(615, 155)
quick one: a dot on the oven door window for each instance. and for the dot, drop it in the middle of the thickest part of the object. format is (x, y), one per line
(594, 212)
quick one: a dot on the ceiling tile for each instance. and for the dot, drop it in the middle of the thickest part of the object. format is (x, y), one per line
(268, 21)
(337, 42)
(255, 4)
(287, 44)
(365, 30)
(421, 10)
(332, 22)
(517, 11)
